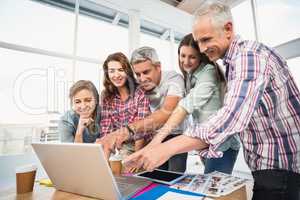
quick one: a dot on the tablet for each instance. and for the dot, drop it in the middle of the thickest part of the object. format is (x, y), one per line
(161, 176)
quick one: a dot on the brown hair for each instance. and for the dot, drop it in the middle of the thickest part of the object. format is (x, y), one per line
(110, 90)
(86, 85)
(189, 41)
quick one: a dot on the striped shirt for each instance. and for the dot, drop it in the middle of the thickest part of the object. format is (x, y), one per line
(262, 104)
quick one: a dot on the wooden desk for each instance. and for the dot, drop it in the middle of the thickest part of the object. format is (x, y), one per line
(43, 193)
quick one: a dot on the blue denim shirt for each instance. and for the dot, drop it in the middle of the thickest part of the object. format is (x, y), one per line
(67, 127)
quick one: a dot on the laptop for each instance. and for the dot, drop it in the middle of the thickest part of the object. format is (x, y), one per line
(82, 169)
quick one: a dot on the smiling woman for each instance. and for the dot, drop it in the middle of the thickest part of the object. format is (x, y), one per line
(122, 102)
(81, 123)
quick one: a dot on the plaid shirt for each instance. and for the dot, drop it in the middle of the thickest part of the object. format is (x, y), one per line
(116, 113)
(262, 104)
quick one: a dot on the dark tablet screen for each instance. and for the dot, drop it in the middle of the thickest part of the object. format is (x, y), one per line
(161, 175)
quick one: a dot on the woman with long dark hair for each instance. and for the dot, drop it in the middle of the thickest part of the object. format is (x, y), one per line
(122, 101)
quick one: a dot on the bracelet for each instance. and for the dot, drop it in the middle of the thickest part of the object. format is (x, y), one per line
(131, 133)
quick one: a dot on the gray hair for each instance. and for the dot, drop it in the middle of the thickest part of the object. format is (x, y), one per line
(218, 12)
(143, 54)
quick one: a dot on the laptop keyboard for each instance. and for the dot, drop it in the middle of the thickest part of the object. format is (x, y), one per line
(128, 185)
(122, 184)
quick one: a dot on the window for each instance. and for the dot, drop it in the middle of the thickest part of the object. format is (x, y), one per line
(243, 20)
(295, 70)
(177, 69)
(35, 25)
(97, 39)
(279, 21)
(163, 49)
(33, 85)
(90, 71)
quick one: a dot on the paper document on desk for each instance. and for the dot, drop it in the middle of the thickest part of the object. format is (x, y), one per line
(215, 184)
(174, 195)
(184, 183)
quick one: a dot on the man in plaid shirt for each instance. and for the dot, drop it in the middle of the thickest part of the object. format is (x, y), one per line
(262, 104)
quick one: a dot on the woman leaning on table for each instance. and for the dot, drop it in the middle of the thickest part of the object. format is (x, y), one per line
(81, 123)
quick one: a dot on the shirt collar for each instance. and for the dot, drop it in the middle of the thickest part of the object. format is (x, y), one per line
(131, 95)
(231, 50)
(198, 70)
